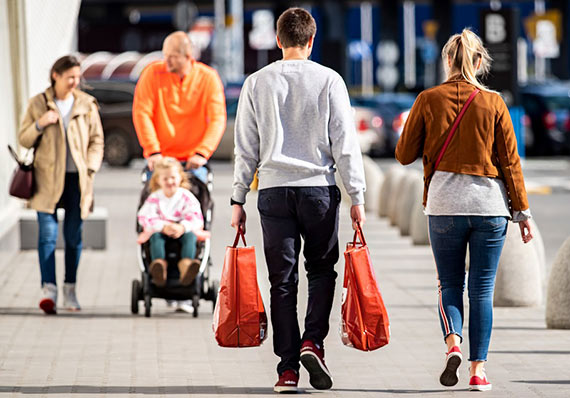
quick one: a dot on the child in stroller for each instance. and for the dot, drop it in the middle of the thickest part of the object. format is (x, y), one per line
(173, 227)
(171, 211)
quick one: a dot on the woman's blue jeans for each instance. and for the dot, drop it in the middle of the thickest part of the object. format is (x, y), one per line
(72, 230)
(449, 237)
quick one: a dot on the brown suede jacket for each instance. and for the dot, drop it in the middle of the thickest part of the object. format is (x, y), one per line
(484, 143)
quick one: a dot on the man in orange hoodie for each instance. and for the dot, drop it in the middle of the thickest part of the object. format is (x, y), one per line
(179, 107)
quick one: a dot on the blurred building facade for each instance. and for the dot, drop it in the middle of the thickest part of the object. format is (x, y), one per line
(33, 34)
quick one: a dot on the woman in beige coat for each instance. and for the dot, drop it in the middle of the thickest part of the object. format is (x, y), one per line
(64, 123)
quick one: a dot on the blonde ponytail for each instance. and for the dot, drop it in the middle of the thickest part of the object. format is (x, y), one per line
(464, 51)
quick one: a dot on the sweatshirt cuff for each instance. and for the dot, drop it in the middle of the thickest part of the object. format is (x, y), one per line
(357, 198)
(239, 195)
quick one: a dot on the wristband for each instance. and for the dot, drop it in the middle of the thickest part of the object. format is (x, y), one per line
(233, 202)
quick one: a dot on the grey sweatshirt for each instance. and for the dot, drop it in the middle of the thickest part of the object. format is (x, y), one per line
(294, 123)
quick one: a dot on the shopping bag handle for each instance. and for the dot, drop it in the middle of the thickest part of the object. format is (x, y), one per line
(238, 234)
(358, 234)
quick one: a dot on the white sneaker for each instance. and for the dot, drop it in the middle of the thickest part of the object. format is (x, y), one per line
(184, 306)
(48, 303)
(70, 297)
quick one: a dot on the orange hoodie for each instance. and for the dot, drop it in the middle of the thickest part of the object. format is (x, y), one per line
(179, 118)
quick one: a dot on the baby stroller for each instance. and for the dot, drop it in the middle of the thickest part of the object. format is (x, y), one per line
(204, 286)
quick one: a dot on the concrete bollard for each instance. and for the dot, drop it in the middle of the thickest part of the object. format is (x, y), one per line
(412, 191)
(558, 292)
(345, 197)
(419, 224)
(394, 173)
(396, 195)
(519, 277)
(374, 178)
(539, 247)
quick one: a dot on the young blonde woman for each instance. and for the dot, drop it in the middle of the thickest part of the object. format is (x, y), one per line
(467, 197)
(64, 123)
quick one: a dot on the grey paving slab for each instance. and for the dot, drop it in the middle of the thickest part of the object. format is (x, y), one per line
(106, 351)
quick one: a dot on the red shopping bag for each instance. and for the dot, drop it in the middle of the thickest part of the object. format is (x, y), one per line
(239, 316)
(364, 321)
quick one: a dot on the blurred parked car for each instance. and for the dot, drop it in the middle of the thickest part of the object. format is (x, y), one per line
(121, 143)
(380, 120)
(547, 121)
(225, 149)
(116, 102)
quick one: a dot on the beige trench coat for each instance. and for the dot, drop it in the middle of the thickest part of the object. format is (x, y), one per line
(85, 139)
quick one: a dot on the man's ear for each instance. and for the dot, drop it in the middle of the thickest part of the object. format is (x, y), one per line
(311, 41)
(279, 42)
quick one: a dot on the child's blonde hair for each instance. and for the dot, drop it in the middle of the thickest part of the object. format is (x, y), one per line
(464, 52)
(166, 164)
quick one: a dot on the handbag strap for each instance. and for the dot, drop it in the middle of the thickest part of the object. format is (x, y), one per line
(358, 235)
(238, 234)
(454, 127)
(36, 142)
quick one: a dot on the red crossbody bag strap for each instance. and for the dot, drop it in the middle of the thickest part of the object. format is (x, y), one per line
(454, 127)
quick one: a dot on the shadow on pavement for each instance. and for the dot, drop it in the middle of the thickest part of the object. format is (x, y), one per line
(145, 390)
(519, 327)
(89, 314)
(398, 391)
(542, 381)
(179, 390)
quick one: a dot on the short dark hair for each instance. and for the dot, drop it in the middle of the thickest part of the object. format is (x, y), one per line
(61, 65)
(295, 27)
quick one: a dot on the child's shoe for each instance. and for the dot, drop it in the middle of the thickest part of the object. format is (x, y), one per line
(188, 270)
(157, 270)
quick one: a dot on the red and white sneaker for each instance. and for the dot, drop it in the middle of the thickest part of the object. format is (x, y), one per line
(287, 382)
(450, 375)
(48, 302)
(477, 383)
(313, 359)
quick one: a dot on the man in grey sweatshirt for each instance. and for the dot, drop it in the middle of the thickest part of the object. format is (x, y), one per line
(294, 124)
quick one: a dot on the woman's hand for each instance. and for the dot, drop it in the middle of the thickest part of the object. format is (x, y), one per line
(50, 117)
(526, 236)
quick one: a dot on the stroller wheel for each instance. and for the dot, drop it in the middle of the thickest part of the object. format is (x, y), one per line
(213, 293)
(135, 292)
(195, 304)
(147, 304)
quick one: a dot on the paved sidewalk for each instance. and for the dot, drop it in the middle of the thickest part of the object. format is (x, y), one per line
(106, 351)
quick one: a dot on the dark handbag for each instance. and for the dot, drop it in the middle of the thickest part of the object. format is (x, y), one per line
(428, 168)
(22, 184)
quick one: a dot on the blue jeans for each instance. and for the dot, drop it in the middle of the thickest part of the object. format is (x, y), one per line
(72, 230)
(287, 215)
(449, 237)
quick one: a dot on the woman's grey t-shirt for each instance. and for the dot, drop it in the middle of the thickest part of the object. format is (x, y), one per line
(65, 107)
(454, 194)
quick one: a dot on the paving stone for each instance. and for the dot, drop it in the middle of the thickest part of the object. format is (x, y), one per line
(104, 351)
